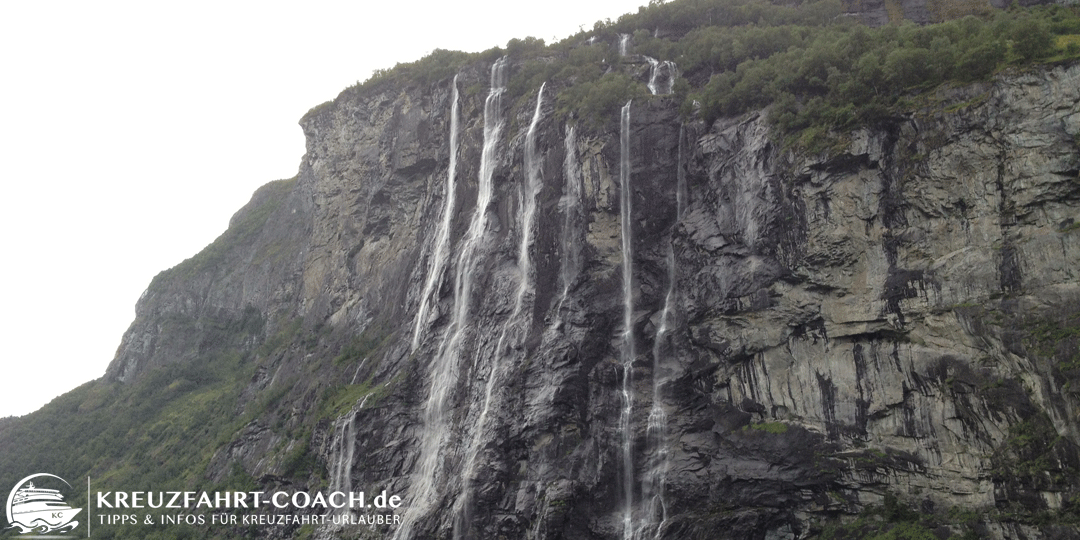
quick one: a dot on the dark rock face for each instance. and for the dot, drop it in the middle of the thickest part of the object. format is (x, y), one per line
(840, 328)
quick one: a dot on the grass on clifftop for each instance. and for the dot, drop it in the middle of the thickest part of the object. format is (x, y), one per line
(244, 229)
(818, 70)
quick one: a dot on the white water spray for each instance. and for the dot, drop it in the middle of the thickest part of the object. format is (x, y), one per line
(624, 44)
(628, 352)
(341, 473)
(440, 254)
(513, 328)
(528, 210)
(662, 76)
(654, 515)
(428, 474)
(572, 218)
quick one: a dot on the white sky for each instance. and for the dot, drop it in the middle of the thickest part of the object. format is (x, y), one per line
(131, 131)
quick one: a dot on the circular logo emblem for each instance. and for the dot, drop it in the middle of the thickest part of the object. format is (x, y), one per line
(39, 509)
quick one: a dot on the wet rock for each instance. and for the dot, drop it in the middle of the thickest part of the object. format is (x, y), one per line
(893, 318)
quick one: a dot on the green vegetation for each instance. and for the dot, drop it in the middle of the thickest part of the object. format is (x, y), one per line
(1029, 446)
(337, 400)
(300, 461)
(175, 426)
(161, 429)
(361, 346)
(776, 428)
(1055, 340)
(439, 65)
(1057, 337)
(1035, 455)
(820, 71)
(160, 433)
(894, 520)
(167, 429)
(842, 75)
(244, 229)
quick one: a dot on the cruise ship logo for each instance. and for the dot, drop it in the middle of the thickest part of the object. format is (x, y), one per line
(39, 510)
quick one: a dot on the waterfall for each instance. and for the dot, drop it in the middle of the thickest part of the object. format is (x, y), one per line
(516, 323)
(656, 67)
(624, 44)
(572, 219)
(628, 353)
(653, 68)
(655, 514)
(680, 176)
(440, 254)
(528, 208)
(446, 364)
(341, 472)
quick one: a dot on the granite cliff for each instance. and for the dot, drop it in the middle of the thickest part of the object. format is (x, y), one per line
(894, 318)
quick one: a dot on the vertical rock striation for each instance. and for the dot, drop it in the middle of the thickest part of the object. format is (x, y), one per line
(789, 340)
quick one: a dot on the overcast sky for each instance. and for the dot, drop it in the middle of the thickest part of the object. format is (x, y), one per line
(130, 132)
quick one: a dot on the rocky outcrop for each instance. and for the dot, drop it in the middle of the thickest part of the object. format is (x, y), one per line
(895, 318)
(225, 291)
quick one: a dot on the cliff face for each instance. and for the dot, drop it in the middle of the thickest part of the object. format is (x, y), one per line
(657, 328)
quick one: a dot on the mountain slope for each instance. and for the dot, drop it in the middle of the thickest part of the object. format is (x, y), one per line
(576, 292)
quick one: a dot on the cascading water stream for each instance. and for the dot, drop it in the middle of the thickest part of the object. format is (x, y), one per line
(628, 353)
(572, 219)
(657, 67)
(654, 66)
(440, 254)
(446, 364)
(528, 209)
(341, 472)
(624, 44)
(515, 324)
(654, 515)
